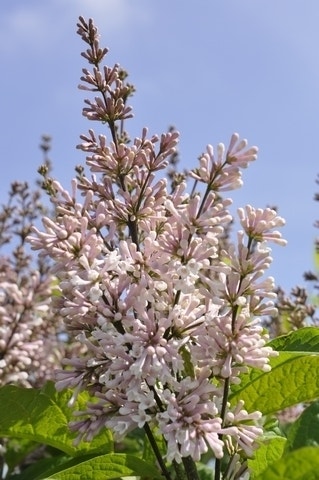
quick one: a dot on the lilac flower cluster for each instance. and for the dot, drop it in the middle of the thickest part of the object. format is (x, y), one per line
(169, 318)
(30, 349)
(27, 357)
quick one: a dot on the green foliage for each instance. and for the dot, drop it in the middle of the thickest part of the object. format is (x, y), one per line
(292, 380)
(303, 340)
(111, 466)
(42, 416)
(30, 417)
(301, 464)
(268, 453)
(102, 467)
(305, 431)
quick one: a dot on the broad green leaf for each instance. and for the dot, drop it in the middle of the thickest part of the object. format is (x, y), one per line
(268, 452)
(42, 416)
(303, 340)
(301, 464)
(293, 379)
(51, 467)
(305, 430)
(107, 467)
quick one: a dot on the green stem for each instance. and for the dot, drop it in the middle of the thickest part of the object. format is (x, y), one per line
(227, 381)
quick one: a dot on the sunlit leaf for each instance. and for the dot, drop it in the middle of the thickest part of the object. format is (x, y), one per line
(270, 451)
(301, 464)
(293, 379)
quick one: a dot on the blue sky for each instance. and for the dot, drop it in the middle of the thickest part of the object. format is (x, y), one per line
(208, 67)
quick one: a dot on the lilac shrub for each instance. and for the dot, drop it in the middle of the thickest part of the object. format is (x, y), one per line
(30, 347)
(168, 317)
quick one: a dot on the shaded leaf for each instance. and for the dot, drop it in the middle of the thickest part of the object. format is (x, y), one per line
(106, 467)
(43, 416)
(305, 430)
(302, 340)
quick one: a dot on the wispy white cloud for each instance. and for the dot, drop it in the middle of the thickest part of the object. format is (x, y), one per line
(37, 25)
(117, 15)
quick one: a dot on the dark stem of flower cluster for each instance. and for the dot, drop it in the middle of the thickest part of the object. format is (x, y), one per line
(227, 381)
(218, 465)
(222, 416)
(189, 472)
(225, 397)
(156, 451)
(179, 470)
(190, 468)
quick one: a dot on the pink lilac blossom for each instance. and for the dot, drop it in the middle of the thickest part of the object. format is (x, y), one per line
(166, 314)
(30, 333)
(243, 431)
(228, 349)
(222, 171)
(259, 224)
(190, 422)
(123, 306)
(27, 357)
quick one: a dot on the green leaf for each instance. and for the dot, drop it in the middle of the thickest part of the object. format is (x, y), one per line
(42, 416)
(269, 451)
(302, 340)
(51, 467)
(301, 464)
(293, 379)
(305, 430)
(107, 467)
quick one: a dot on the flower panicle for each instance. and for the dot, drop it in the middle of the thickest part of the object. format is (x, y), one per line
(89, 34)
(166, 309)
(30, 346)
(259, 223)
(221, 171)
